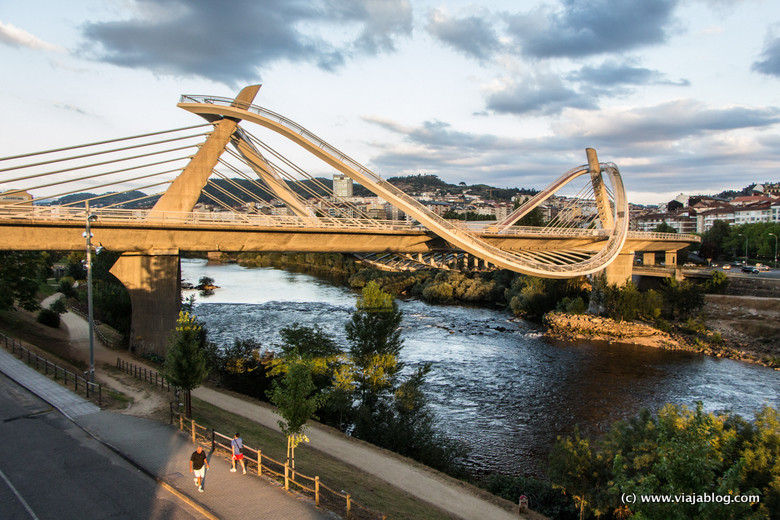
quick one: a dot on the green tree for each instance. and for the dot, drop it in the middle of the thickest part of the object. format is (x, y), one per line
(20, 274)
(296, 401)
(713, 240)
(663, 227)
(577, 470)
(535, 217)
(683, 299)
(375, 343)
(185, 363)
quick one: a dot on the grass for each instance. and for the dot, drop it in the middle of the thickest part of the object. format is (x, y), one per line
(367, 490)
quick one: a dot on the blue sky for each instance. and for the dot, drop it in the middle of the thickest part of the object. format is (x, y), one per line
(683, 95)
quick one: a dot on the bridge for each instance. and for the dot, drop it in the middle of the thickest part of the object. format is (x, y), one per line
(588, 235)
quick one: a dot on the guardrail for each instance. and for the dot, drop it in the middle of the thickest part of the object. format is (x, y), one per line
(195, 218)
(263, 465)
(148, 375)
(102, 337)
(90, 389)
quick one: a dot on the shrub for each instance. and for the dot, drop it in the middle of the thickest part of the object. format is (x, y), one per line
(66, 286)
(49, 318)
(58, 306)
(717, 283)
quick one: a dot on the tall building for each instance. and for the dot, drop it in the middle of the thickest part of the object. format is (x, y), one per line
(342, 185)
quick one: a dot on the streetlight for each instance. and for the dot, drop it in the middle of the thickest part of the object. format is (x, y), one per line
(88, 235)
(773, 235)
(746, 251)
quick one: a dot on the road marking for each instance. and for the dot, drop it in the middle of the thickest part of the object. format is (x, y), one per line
(19, 496)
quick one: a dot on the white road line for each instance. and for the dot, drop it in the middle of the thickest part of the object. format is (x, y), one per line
(21, 499)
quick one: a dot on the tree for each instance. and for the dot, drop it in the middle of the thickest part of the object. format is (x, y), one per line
(663, 227)
(296, 400)
(185, 363)
(574, 468)
(20, 274)
(375, 342)
(535, 217)
(682, 298)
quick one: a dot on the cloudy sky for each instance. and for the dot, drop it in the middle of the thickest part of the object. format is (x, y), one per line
(683, 95)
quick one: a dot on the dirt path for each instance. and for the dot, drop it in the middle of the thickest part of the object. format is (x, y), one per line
(448, 494)
(145, 403)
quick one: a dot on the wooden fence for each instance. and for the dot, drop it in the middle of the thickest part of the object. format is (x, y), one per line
(90, 390)
(147, 374)
(102, 337)
(263, 465)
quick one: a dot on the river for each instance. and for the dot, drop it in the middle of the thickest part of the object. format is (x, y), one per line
(495, 384)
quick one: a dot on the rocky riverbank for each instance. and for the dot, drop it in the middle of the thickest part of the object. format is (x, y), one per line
(718, 340)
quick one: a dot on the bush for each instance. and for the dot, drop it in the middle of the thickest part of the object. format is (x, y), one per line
(572, 305)
(66, 286)
(58, 306)
(717, 283)
(49, 318)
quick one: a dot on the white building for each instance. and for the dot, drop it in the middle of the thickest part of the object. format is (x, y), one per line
(342, 185)
(753, 213)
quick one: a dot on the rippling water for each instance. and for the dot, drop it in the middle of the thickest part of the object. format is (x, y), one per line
(495, 384)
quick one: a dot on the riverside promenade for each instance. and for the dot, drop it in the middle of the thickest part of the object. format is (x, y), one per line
(455, 499)
(163, 453)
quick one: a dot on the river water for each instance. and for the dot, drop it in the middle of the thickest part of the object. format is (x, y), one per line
(495, 384)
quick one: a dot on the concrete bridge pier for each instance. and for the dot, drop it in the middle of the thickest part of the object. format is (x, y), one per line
(620, 270)
(154, 283)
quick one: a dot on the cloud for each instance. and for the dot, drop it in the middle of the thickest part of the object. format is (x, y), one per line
(614, 74)
(232, 43)
(588, 28)
(664, 123)
(770, 62)
(383, 21)
(15, 37)
(474, 36)
(540, 94)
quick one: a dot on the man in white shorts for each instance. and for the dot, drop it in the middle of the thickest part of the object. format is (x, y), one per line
(198, 465)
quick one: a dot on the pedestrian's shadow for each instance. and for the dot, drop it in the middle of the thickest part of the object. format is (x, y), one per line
(206, 473)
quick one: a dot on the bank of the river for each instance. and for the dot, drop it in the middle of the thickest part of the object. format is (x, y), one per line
(739, 328)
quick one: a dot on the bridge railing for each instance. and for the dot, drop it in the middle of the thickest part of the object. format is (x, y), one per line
(196, 218)
(60, 213)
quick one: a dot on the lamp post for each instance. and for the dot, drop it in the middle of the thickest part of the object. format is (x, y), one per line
(746, 250)
(88, 235)
(773, 235)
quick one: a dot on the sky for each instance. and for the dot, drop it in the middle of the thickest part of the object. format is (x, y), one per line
(683, 95)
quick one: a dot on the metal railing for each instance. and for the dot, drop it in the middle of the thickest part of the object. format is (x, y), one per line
(262, 465)
(91, 390)
(147, 374)
(196, 218)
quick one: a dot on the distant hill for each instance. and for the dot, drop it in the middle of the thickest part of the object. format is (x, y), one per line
(244, 190)
(109, 199)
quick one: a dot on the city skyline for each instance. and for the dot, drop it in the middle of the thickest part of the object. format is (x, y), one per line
(681, 94)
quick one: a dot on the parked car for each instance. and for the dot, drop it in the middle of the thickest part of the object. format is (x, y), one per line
(750, 269)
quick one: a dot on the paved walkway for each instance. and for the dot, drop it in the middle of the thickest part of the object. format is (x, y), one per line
(163, 453)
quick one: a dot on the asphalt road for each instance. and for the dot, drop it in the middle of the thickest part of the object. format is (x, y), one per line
(51, 469)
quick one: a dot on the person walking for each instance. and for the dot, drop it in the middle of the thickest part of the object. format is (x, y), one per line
(198, 466)
(236, 445)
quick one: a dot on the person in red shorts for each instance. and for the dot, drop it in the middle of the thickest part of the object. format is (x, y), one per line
(236, 445)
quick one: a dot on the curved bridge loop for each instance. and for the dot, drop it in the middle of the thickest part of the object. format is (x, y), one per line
(545, 264)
